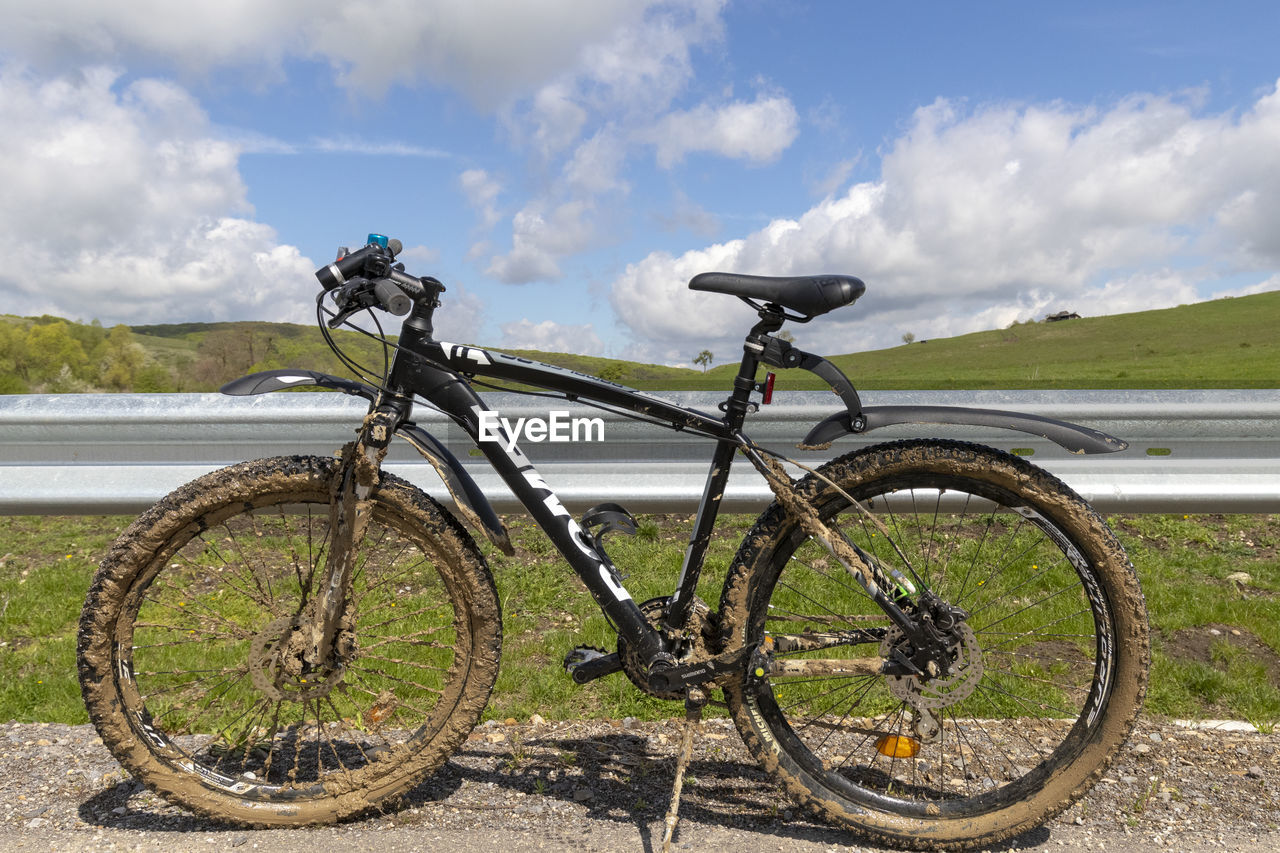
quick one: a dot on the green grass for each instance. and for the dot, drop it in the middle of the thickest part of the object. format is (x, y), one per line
(45, 566)
(1225, 343)
(1183, 562)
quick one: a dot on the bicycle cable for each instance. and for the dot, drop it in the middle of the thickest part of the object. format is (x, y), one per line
(347, 361)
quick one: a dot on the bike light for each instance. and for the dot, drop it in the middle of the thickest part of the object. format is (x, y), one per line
(898, 746)
(768, 390)
(377, 239)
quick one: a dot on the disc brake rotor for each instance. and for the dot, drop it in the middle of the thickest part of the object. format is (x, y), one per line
(942, 691)
(275, 664)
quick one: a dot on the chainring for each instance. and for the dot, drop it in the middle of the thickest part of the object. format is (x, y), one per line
(690, 642)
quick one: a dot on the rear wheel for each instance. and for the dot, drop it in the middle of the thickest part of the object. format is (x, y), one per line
(192, 652)
(1045, 669)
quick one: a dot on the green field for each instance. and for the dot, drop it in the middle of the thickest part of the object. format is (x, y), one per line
(1226, 343)
(1215, 640)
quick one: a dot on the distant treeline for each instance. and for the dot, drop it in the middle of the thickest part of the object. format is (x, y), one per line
(52, 355)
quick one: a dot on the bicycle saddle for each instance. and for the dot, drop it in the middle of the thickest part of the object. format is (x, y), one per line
(809, 295)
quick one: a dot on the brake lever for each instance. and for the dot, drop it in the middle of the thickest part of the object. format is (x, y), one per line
(349, 300)
(341, 317)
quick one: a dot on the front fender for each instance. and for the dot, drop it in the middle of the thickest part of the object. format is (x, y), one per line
(1075, 438)
(467, 496)
(281, 380)
(471, 502)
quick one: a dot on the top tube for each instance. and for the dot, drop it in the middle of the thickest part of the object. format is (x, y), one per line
(475, 361)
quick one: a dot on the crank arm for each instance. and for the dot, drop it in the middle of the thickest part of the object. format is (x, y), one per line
(679, 678)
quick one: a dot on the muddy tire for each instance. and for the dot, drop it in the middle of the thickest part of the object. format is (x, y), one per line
(191, 662)
(1040, 694)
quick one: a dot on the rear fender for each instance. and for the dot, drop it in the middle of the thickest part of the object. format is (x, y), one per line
(470, 501)
(1075, 438)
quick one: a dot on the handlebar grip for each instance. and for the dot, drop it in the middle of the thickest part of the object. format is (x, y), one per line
(392, 298)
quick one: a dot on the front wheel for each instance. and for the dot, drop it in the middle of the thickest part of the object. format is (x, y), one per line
(1044, 670)
(193, 646)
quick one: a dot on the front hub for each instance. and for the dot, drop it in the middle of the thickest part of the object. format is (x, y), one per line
(278, 667)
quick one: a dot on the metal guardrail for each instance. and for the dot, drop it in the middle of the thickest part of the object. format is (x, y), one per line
(1190, 451)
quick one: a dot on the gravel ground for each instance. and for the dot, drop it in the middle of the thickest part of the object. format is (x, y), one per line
(604, 785)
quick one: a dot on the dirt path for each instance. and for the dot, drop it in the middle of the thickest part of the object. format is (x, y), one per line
(603, 786)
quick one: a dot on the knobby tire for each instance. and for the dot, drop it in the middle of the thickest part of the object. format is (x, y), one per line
(188, 647)
(1040, 697)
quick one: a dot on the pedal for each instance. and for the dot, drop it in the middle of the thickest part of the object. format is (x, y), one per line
(608, 518)
(585, 664)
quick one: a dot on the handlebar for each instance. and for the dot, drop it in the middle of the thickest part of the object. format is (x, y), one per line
(367, 278)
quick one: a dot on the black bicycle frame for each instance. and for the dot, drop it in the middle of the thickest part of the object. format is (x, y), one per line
(437, 371)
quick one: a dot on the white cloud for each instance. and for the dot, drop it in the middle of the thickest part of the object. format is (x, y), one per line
(585, 123)
(492, 50)
(482, 190)
(594, 167)
(550, 336)
(644, 65)
(128, 208)
(757, 131)
(461, 314)
(1007, 212)
(540, 238)
(351, 145)
(688, 214)
(835, 178)
(421, 254)
(556, 117)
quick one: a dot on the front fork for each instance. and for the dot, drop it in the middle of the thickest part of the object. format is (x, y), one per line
(350, 510)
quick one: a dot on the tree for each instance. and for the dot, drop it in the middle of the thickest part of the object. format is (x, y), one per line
(11, 352)
(121, 359)
(909, 337)
(704, 358)
(786, 336)
(225, 354)
(49, 348)
(613, 371)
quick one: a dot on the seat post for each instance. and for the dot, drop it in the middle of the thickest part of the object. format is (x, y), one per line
(744, 383)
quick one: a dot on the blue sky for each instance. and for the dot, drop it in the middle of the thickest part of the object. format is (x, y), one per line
(566, 166)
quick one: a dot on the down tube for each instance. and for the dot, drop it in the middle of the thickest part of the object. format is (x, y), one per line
(526, 483)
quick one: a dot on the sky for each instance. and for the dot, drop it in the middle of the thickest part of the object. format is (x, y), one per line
(566, 166)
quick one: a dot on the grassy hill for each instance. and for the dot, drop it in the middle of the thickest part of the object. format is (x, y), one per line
(1226, 343)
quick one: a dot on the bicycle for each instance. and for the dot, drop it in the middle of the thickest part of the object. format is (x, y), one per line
(932, 643)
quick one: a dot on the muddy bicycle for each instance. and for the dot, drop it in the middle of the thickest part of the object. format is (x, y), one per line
(931, 642)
